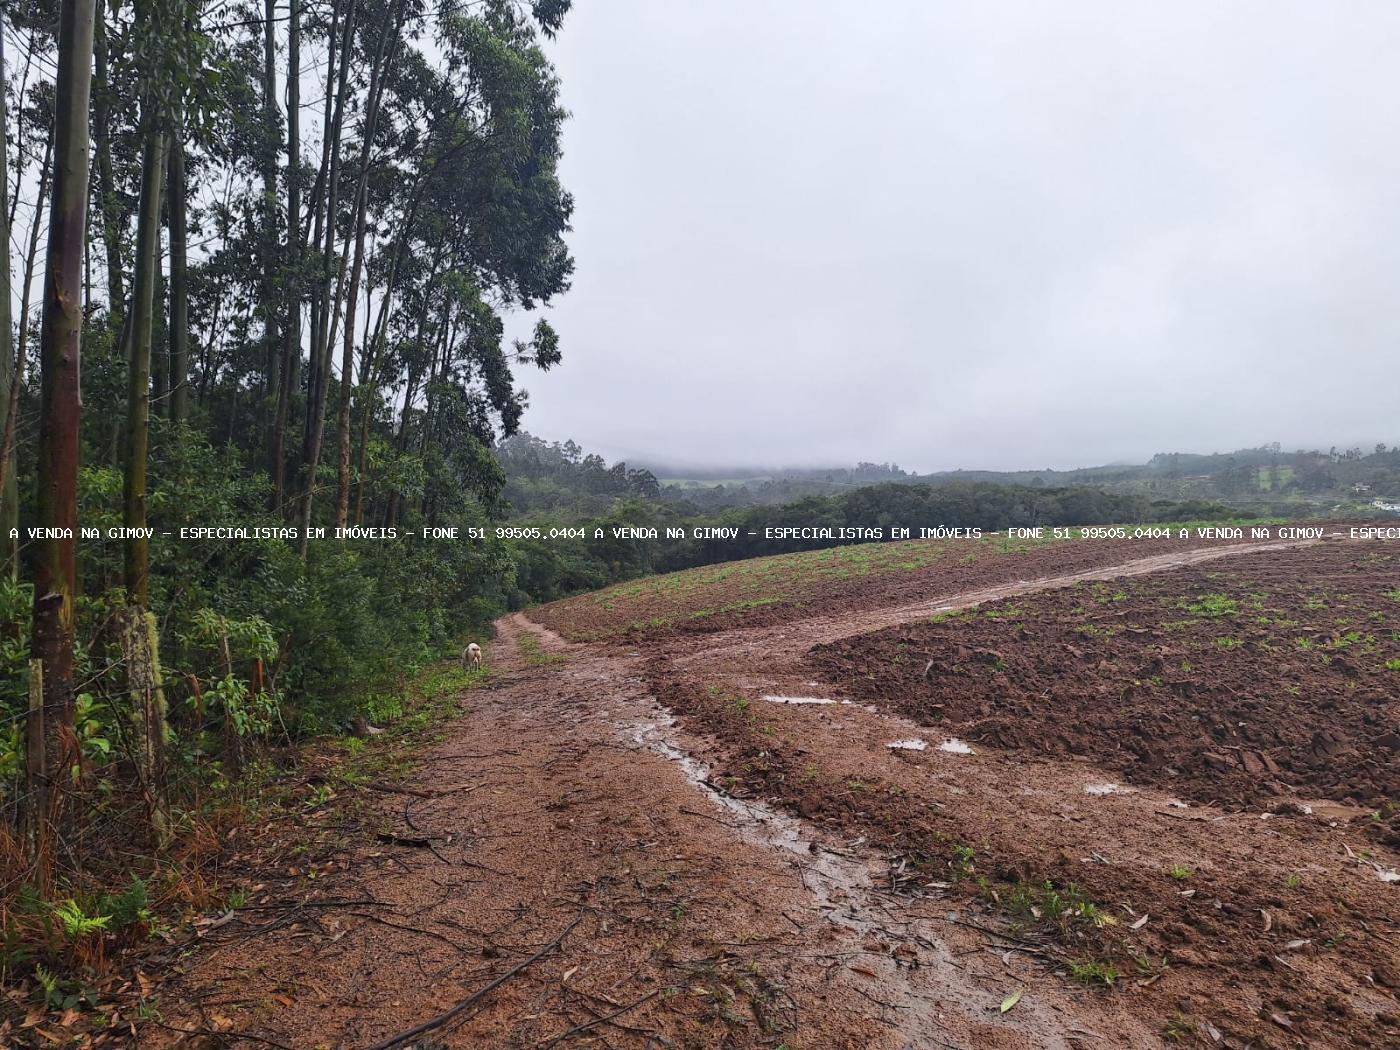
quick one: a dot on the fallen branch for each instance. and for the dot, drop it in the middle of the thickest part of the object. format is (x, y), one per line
(395, 789)
(443, 1018)
(708, 816)
(419, 842)
(1031, 947)
(410, 929)
(399, 789)
(216, 1034)
(296, 905)
(598, 1020)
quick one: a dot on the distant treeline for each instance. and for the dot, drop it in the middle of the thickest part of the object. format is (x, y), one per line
(552, 568)
(1266, 479)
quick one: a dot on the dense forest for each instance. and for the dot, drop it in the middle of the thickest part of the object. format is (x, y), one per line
(260, 259)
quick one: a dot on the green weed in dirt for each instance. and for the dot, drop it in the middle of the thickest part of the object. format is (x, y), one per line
(534, 654)
(1093, 971)
(1214, 606)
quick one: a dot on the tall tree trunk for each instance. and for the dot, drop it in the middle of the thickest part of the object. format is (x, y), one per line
(347, 361)
(319, 379)
(291, 347)
(7, 443)
(319, 289)
(271, 147)
(138, 403)
(9, 367)
(160, 331)
(369, 374)
(17, 135)
(60, 404)
(140, 648)
(179, 275)
(106, 186)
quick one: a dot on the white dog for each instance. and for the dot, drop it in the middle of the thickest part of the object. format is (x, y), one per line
(471, 657)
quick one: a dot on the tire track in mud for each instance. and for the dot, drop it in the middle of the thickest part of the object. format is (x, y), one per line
(844, 887)
(805, 632)
(764, 655)
(918, 989)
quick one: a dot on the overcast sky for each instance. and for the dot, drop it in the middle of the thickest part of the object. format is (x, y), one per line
(977, 235)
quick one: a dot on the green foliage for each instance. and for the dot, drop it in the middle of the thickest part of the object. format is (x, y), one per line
(1093, 971)
(61, 994)
(1214, 606)
(963, 862)
(75, 924)
(1061, 906)
(129, 908)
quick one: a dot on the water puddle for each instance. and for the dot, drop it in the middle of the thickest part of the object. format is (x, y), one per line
(908, 745)
(954, 746)
(801, 700)
(843, 888)
(841, 877)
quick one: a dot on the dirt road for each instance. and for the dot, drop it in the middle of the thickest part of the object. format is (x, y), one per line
(563, 870)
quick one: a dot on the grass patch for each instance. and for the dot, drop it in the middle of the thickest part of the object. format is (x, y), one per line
(1093, 971)
(1214, 606)
(534, 654)
(1064, 907)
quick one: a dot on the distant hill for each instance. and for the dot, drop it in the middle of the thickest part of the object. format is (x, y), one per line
(558, 475)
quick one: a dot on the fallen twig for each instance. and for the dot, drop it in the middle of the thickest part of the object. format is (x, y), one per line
(443, 1018)
(410, 929)
(598, 1020)
(708, 816)
(396, 789)
(418, 841)
(219, 1035)
(1032, 947)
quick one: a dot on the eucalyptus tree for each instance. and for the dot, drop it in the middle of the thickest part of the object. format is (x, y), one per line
(474, 213)
(170, 55)
(9, 367)
(386, 48)
(291, 345)
(56, 498)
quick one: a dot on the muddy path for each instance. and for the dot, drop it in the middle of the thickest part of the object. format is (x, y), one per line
(559, 809)
(660, 888)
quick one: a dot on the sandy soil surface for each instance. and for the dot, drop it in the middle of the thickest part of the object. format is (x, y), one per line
(626, 845)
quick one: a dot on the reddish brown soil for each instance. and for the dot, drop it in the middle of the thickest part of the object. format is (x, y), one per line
(1268, 932)
(772, 591)
(808, 885)
(1264, 676)
(542, 815)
